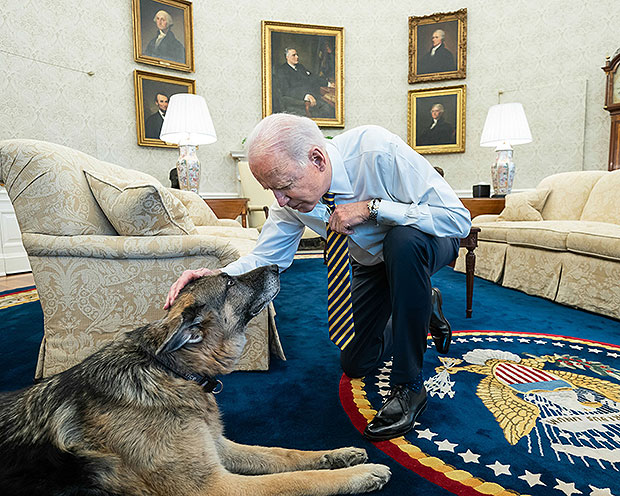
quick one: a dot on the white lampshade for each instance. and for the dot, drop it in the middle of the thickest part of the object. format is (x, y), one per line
(506, 123)
(187, 121)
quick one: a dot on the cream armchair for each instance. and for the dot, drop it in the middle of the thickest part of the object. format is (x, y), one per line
(105, 243)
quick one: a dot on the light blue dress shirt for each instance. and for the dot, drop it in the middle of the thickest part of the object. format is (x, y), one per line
(367, 162)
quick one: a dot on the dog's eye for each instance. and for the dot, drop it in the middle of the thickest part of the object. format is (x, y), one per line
(230, 282)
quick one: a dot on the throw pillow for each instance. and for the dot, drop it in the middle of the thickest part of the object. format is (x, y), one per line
(524, 206)
(199, 211)
(136, 207)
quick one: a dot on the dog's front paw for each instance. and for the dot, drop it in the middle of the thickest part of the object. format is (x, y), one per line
(371, 477)
(343, 457)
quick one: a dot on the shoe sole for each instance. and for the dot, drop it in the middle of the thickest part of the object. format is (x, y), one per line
(386, 438)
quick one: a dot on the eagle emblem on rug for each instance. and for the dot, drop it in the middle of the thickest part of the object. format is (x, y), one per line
(509, 413)
(520, 392)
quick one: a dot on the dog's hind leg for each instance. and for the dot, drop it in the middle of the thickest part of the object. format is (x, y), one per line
(351, 480)
(244, 459)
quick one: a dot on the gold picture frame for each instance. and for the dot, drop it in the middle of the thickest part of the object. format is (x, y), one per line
(149, 89)
(436, 119)
(438, 46)
(155, 42)
(316, 88)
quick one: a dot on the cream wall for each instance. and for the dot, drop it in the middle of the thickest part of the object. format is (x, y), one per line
(546, 55)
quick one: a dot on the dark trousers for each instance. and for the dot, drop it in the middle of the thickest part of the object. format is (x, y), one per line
(399, 287)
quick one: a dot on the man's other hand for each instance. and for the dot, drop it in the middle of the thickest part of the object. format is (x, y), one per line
(348, 215)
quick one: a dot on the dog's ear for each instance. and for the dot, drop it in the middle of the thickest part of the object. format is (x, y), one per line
(189, 331)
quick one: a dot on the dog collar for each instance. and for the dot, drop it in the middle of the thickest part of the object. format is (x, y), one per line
(209, 384)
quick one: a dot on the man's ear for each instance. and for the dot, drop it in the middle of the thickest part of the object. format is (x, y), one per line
(188, 329)
(317, 158)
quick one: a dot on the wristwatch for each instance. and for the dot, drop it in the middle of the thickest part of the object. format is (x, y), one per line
(373, 208)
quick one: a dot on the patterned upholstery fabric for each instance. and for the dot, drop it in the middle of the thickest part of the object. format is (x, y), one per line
(139, 208)
(598, 239)
(199, 211)
(533, 271)
(572, 256)
(604, 202)
(569, 193)
(93, 283)
(525, 206)
(590, 283)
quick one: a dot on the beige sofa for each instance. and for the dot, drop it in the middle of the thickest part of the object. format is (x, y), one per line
(561, 242)
(105, 243)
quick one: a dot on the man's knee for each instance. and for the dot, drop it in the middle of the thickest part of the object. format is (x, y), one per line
(405, 241)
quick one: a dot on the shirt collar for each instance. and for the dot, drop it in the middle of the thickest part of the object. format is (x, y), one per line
(340, 179)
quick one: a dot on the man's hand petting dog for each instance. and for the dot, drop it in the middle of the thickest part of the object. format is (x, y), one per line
(186, 277)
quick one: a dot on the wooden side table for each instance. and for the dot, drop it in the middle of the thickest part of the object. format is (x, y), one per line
(479, 206)
(229, 208)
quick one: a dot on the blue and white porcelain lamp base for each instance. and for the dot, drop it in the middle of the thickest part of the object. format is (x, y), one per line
(503, 171)
(188, 168)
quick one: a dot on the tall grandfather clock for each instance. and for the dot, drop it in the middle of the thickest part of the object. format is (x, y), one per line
(612, 105)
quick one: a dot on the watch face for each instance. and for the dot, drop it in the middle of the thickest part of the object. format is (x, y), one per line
(616, 86)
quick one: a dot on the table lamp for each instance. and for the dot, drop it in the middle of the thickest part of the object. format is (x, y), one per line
(188, 123)
(505, 126)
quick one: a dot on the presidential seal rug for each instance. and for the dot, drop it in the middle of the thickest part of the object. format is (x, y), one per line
(510, 413)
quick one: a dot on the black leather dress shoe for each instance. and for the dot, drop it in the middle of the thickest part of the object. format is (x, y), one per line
(439, 326)
(397, 415)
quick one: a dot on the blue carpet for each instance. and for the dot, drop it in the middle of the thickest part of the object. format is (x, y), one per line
(296, 403)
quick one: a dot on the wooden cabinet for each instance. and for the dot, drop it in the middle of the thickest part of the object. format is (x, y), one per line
(229, 208)
(479, 206)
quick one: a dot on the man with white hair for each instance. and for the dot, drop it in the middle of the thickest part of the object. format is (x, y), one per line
(438, 58)
(165, 45)
(402, 223)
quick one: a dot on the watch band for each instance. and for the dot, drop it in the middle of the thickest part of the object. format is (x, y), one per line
(373, 208)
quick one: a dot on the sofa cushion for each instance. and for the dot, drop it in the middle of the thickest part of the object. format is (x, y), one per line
(547, 234)
(200, 213)
(494, 231)
(599, 239)
(603, 204)
(569, 193)
(524, 206)
(139, 207)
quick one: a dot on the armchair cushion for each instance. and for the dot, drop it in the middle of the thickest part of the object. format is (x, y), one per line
(525, 206)
(137, 207)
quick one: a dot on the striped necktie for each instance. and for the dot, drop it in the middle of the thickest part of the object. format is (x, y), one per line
(339, 307)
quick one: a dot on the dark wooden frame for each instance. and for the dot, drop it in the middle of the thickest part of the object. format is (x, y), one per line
(460, 16)
(188, 35)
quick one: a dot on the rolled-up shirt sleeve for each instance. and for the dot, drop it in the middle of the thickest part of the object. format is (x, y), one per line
(420, 196)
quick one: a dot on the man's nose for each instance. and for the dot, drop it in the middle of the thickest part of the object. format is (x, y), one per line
(281, 198)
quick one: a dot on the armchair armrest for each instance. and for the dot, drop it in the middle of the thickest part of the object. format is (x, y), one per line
(130, 247)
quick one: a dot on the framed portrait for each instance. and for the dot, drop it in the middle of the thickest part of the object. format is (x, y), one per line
(163, 33)
(153, 91)
(303, 71)
(438, 46)
(436, 120)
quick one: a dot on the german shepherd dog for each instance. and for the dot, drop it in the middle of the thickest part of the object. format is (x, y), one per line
(139, 417)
